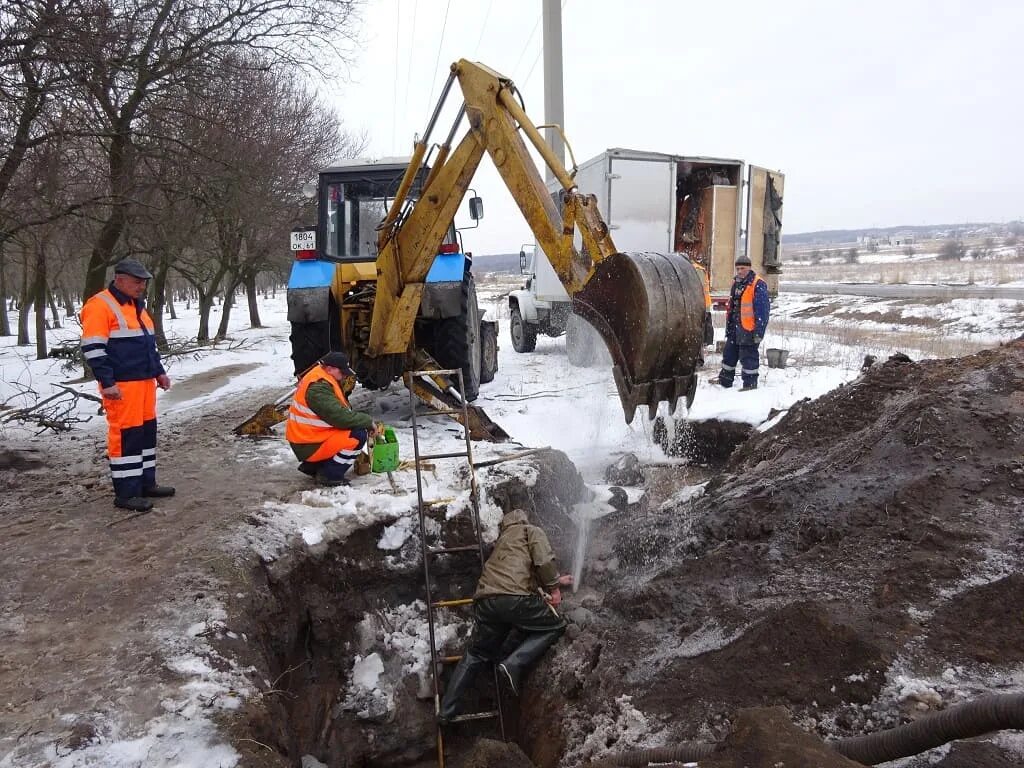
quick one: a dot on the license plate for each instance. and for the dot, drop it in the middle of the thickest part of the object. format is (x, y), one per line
(304, 240)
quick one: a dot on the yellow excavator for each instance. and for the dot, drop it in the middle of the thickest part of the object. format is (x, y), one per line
(647, 307)
(388, 296)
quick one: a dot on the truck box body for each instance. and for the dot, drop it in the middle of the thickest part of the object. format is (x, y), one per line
(638, 194)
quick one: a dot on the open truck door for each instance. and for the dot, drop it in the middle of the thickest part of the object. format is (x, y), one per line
(765, 190)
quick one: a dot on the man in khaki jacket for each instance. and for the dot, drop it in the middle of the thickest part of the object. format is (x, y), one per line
(518, 589)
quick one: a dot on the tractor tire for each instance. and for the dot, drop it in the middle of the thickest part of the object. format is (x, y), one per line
(457, 340)
(488, 352)
(524, 336)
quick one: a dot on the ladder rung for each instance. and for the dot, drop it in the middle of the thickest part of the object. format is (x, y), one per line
(473, 716)
(446, 550)
(452, 603)
(448, 659)
(453, 455)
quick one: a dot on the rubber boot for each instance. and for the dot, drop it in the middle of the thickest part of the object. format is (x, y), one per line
(158, 491)
(531, 649)
(462, 677)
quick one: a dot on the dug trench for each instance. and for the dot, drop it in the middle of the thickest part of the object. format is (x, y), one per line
(856, 567)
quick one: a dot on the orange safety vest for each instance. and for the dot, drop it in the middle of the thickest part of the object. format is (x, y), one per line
(304, 426)
(705, 283)
(747, 319)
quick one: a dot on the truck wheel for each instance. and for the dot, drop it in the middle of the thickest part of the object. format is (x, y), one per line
(579, 342)
(457, 340)
(524, 336)
(488, 351)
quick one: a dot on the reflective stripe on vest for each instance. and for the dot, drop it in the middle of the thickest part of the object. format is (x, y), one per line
(124, 330)
(304, 426)
(747, 319)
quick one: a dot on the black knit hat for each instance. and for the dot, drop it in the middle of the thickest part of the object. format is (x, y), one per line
(337, 360)
(743, 261)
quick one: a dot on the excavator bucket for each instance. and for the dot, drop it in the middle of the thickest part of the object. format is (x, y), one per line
(649, 309)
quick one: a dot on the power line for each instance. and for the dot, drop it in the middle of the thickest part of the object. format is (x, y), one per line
(412, 43)
(537, 57)
(394, 96)
(483, 28)
(437, 61)
(527, 45)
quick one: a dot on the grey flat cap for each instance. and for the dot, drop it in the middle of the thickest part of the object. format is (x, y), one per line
(133, 268)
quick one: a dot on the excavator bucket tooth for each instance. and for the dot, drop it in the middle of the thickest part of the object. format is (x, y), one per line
(649, 309)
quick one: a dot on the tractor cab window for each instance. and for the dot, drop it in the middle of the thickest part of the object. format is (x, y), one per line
(352, 211)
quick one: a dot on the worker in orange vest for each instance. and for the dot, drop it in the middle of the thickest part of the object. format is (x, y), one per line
(119, 346)
(745, 323)
(324, 432)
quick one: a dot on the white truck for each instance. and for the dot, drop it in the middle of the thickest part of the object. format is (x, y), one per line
(648, 200)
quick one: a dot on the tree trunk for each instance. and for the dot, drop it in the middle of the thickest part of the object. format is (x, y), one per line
(68, 302)
(205, 305)
(225, 314)
(252, 294)
(53, 309)
(159, 299)
(39, 299)
(120, 168)
(25, 303)
(5, 322)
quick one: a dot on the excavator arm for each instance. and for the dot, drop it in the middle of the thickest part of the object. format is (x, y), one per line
(648, 308)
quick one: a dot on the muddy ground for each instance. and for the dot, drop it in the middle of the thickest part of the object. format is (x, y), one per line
(858, 566)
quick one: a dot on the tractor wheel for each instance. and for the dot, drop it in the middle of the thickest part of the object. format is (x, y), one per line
(488, 352)
(524, 337)
(457, 340)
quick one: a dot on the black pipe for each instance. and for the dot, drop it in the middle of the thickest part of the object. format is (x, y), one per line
(686, 752)
(964, 721)
(996, 712)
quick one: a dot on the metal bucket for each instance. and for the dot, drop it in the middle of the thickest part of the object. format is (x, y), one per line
(649, 309)
(776, 357)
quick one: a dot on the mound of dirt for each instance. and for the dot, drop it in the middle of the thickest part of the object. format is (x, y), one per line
(859, 564)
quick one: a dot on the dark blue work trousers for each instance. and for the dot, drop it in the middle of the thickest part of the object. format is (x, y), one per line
(747, 357)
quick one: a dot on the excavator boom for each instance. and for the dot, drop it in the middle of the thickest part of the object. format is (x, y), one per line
(648, 307)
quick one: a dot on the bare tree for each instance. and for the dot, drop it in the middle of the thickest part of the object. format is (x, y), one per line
(852, 256)
(952, 250)
(130, 52)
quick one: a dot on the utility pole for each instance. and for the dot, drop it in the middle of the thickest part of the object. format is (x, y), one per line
(554, 103)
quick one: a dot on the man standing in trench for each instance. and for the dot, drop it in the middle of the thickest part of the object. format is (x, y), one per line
(120, 348)
(519, 589)
(325, 434)
(745, 323)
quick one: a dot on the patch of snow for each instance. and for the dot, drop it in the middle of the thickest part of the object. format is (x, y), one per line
(621, 727)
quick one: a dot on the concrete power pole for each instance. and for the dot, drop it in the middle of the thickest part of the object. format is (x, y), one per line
(554, 104)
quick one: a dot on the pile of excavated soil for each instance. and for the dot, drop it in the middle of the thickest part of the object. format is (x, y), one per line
(860, 564)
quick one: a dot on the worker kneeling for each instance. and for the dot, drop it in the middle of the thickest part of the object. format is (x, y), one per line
(324, 432)
(509, 597)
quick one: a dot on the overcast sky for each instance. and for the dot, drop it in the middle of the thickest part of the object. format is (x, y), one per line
(879, 113)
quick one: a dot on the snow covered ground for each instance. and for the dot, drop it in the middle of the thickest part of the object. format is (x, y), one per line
(538, 398)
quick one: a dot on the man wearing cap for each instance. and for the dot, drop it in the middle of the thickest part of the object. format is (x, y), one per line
(324, 432)
(120, 348)
(745, 323)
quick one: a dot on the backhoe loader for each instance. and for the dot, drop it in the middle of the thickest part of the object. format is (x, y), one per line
(647, 307)
(384, 308)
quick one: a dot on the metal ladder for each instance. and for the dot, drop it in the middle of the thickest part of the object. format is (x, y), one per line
(436, 661)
